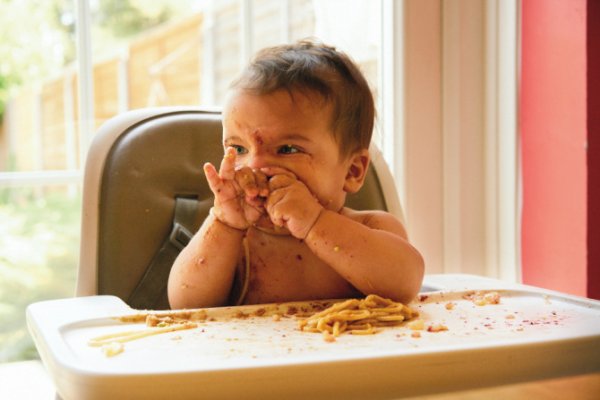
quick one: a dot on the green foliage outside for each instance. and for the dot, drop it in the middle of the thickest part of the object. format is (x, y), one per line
(122, 18)
(39, 252)
(35, 43)
(39, 226)
(39, 37)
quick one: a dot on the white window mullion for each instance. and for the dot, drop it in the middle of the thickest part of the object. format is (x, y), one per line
(11, 133)
(38, 133)
(491, 132)
(85, 74)
(451, 145)
(207, 74)
(391, 85)
(508, 217)
(502, 215)
(123, 82)
(69, 121)
(284, 21)
(40, 179)
(246, 32)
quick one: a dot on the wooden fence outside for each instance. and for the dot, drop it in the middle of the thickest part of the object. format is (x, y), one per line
(40, 126)
(40, 130)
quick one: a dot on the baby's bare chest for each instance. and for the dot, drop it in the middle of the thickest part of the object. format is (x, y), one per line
(285, 269)
(284, 260)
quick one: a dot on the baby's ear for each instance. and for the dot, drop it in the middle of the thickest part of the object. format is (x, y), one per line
(357, 171)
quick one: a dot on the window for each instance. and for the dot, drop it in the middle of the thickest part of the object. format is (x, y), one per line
(68, 66)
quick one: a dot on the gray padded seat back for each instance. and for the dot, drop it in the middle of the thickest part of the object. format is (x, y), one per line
(150, 164)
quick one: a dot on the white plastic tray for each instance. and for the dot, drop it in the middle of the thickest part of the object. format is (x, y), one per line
(531, 334)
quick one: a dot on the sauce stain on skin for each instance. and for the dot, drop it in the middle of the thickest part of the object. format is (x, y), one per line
(257, 138)
(255, 281)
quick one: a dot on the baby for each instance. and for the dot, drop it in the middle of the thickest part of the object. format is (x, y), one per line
(297, 125)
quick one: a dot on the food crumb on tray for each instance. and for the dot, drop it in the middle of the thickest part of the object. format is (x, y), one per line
(483, 298)
(457, 313)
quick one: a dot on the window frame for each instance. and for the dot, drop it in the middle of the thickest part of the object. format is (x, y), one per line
(408, 132)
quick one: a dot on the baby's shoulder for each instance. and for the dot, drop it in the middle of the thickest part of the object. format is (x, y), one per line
(367, 216)
(376, 219)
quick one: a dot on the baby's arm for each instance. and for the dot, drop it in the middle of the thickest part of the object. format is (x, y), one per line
(374, 254)
(203, 273)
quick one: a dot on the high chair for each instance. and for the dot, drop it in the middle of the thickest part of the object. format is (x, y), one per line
(145, 194)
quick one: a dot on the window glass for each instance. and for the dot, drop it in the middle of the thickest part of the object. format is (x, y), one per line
(39, 217)
(39, 246)
(143, 53)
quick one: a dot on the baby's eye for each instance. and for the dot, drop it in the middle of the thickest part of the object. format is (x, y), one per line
(288, 149)
(238, 149)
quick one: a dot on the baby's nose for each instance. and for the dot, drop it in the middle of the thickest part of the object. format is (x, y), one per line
(258, 160)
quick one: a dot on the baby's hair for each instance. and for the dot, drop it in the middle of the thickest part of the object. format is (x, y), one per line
(309, 65)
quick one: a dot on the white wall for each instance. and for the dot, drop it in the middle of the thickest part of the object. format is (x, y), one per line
(460, 134)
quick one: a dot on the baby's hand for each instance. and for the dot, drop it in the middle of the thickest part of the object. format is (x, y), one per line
(290, 203)
(239, 194)
(253, 185)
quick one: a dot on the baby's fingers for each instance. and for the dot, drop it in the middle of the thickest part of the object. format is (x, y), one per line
(227, 169)
(271, 205)
(262, 183)
(246, 180)
(280, 181)
(220, 187)
(214, 180)
(272, 171)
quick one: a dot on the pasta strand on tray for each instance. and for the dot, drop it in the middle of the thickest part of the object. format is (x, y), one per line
(122, 337)
(358, 317)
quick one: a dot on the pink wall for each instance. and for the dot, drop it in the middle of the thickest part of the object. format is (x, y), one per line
(553, 128)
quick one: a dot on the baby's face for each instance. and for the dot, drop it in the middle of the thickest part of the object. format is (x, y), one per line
(276, 130)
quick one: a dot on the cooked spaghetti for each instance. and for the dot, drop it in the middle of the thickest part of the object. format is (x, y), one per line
(122, 337)
(354, 316)
(358, 317)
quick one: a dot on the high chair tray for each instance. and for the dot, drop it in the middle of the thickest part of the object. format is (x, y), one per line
(259, 351)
